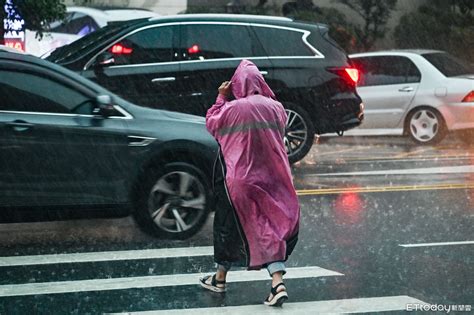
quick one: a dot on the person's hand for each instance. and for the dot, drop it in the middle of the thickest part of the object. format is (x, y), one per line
(225, 89)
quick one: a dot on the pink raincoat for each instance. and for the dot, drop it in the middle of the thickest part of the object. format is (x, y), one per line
(250, 132)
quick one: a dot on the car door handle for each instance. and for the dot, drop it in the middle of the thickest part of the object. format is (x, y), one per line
(19, 125)
(161, 80)
(406, 89)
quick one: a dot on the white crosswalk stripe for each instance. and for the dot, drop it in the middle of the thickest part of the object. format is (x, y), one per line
(150, 281)
(356, 305)
(344, 306)
(107, 256)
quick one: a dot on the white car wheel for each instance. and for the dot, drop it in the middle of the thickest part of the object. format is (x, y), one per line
(426, 126)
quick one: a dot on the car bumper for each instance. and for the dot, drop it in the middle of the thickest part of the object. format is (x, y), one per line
(348, 120)
(458, 115)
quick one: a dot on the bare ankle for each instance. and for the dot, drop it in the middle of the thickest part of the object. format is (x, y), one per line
(221, 275)
(277, 278)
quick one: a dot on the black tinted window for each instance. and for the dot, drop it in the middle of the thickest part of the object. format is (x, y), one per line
(386, 70)
(448, 65)
(85, 44)
(147, 46)
(31, 93)
(282, 42)
(211, 41)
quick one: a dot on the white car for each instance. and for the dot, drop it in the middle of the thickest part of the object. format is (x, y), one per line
(420, 93)
(79, 21)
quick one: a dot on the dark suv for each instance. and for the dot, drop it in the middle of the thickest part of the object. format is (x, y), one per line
(67, 143)
(177, 63)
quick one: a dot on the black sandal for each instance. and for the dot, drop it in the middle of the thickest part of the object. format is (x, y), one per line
(278, 297)
(213, 286)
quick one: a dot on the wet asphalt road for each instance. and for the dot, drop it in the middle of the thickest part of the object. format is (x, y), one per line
(384, 223)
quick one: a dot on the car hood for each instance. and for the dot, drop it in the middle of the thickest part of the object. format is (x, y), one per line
(181, 116)
(160, 114)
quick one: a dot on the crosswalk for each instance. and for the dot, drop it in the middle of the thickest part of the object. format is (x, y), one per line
(365, 305)
(58, 292)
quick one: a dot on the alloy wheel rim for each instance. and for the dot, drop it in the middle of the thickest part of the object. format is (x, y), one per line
(296, 133)
(424, 125)
(177, 202)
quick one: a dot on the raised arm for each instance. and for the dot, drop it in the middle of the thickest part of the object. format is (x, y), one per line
(212, 115)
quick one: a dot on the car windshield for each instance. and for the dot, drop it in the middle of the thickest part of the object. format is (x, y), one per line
(75, 49)
(448, 65)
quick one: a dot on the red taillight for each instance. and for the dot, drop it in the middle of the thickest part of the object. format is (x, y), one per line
(353, 74)
(469, 98)
(121, 50)
(194, 49)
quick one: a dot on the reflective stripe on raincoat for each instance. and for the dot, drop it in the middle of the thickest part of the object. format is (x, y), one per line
(250, 132)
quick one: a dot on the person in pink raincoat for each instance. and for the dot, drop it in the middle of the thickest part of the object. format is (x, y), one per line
(257, 211)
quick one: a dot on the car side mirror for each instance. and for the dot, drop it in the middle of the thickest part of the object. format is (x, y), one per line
(105, 59)
(104, 106)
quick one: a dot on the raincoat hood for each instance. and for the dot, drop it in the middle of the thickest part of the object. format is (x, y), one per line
(247, 80)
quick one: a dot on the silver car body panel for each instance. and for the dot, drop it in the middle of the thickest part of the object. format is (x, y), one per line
(387, 106)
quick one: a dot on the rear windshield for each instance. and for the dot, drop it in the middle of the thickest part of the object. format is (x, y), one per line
(77, 48)
(449, 65)
(321, 40)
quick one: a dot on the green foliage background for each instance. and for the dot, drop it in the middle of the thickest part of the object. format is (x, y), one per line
(440, 25)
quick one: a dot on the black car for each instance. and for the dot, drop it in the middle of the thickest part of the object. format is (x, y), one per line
(177, 63)
(65, 141)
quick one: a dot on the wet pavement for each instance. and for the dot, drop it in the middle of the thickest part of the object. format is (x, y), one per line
(384, 224)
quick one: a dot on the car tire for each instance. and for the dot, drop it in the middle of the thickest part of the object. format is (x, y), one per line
(173, 202)
(299, 133)
(425, 126)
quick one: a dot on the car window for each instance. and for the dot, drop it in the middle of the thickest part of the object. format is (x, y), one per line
(60, 26)
(211, 41)
(148, 46)
(84, 45)
(81, 24)
(448, 65)
(282, 42)
(75, 23)
(386, 70)
(27, 92)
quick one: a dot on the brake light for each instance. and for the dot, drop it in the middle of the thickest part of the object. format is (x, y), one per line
(353, 74)
(119, 49)
(194, 49)
(469, 98)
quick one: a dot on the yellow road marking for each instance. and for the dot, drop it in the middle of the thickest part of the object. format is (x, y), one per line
(337, 151)
(329, 191)
(411, 153)
(410, 157)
